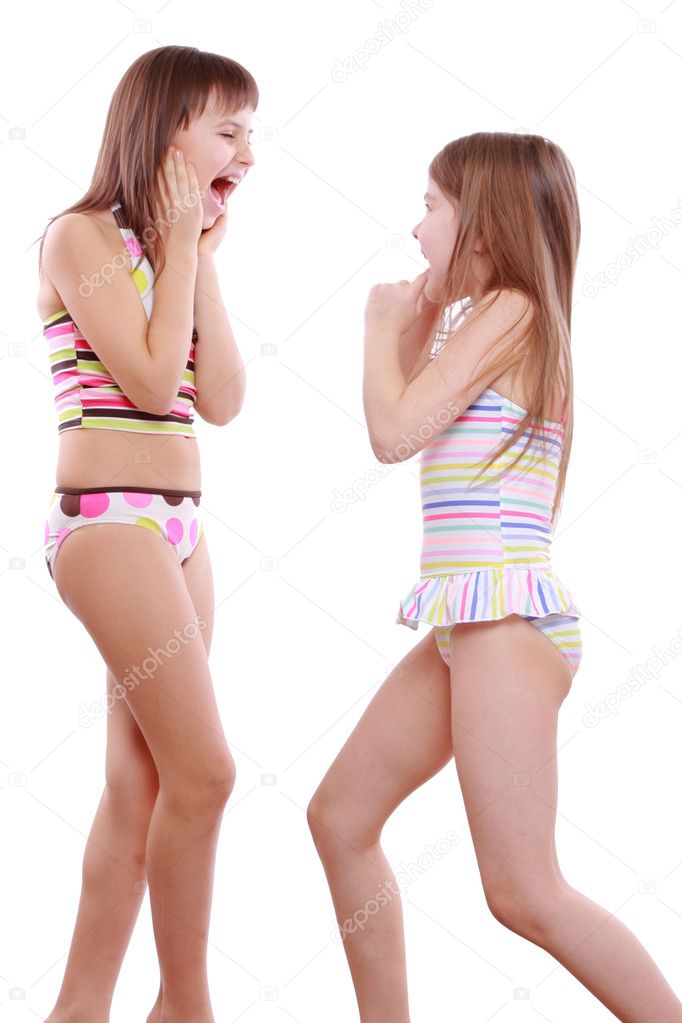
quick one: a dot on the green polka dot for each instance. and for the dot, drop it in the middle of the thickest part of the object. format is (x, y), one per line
(150, 524)
(141, 281)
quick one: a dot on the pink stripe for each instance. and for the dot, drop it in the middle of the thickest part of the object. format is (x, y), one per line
(507, 513)
(462, 605)
(461, 515)
(93, 381)
(106, 400)
(419, 590)
(58, 331)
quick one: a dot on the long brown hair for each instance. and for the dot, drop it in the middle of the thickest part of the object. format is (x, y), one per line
(518, 195)
(160, 93)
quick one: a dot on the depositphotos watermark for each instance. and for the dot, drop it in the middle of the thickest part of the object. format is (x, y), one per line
(358, 490)
(389, 28)
(105, 274)
(639, 676)
(403, 879)
(88, 715)
(639, 246)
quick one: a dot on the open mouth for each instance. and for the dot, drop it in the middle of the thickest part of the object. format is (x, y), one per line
(220, 189)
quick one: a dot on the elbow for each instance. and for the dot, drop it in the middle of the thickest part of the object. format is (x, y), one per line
(380, 426)
(220, 420)
(158, 408)
(387, 457)
(221, 415)
(238, 402)
(156, 403)
(380, 440)
(216, 417)
(381, 450)
(391, 450)
(143, 400)
(236, 396)
(227, 415)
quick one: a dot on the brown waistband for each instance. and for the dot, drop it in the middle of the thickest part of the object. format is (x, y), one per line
(132, 488)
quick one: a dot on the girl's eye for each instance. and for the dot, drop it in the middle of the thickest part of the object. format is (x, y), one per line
(226, 134)
(427, 206)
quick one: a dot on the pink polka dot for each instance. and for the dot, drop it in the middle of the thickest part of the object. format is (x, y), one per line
(62, 534)
(193, 527)
(137, 499)
(174, 530)
(133, 246)
(94, 505)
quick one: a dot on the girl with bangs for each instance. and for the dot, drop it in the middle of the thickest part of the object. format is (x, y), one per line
(138, 341)
(469, 365)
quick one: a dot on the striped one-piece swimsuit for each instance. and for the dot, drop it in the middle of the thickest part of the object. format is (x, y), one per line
(486, 548)
(86, 394)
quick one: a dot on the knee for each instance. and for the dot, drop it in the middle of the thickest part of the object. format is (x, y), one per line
(203, 788)
(527, 908)
(131, 785)
(324, 821)
(335, 826)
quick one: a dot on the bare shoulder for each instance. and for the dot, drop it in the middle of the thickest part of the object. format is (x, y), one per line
(517, 382)
(88, 268)
(500, 316)
(70, 230)
(67, 233)
(81, 242)
(507, 305)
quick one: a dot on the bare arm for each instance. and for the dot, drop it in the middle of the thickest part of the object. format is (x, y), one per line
(170, 326)
(388, 364)
(402, 418)
(219, 375)
(414, 339)
(145, 357)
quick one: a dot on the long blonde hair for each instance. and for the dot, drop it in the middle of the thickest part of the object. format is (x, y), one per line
(517, 193)
(161, 92)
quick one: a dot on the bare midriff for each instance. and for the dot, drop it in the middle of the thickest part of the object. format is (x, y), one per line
(98, 458)
(91, 457)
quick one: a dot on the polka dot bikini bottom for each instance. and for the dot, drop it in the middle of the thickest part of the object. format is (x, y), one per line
(173, 514)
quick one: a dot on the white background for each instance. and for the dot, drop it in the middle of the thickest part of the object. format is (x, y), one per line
(306, 596)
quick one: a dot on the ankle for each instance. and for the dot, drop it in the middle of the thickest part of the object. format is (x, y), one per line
(195, 1016)
(76, 1015)
(175, 1012)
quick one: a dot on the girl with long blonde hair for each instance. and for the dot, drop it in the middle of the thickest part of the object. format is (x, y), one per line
(470, 365)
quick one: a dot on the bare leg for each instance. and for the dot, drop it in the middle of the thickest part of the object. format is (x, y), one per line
(114, 873)
(199, 581)
(401, 741)
(127, 612)
(508, 682)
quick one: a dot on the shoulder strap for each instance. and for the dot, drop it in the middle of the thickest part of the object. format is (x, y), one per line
(143, 273)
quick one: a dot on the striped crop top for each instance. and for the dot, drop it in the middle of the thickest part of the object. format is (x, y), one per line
(486, 546)
(86, 394)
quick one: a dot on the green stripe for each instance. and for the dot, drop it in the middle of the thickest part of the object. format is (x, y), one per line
(55, 316)
(146, 426)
